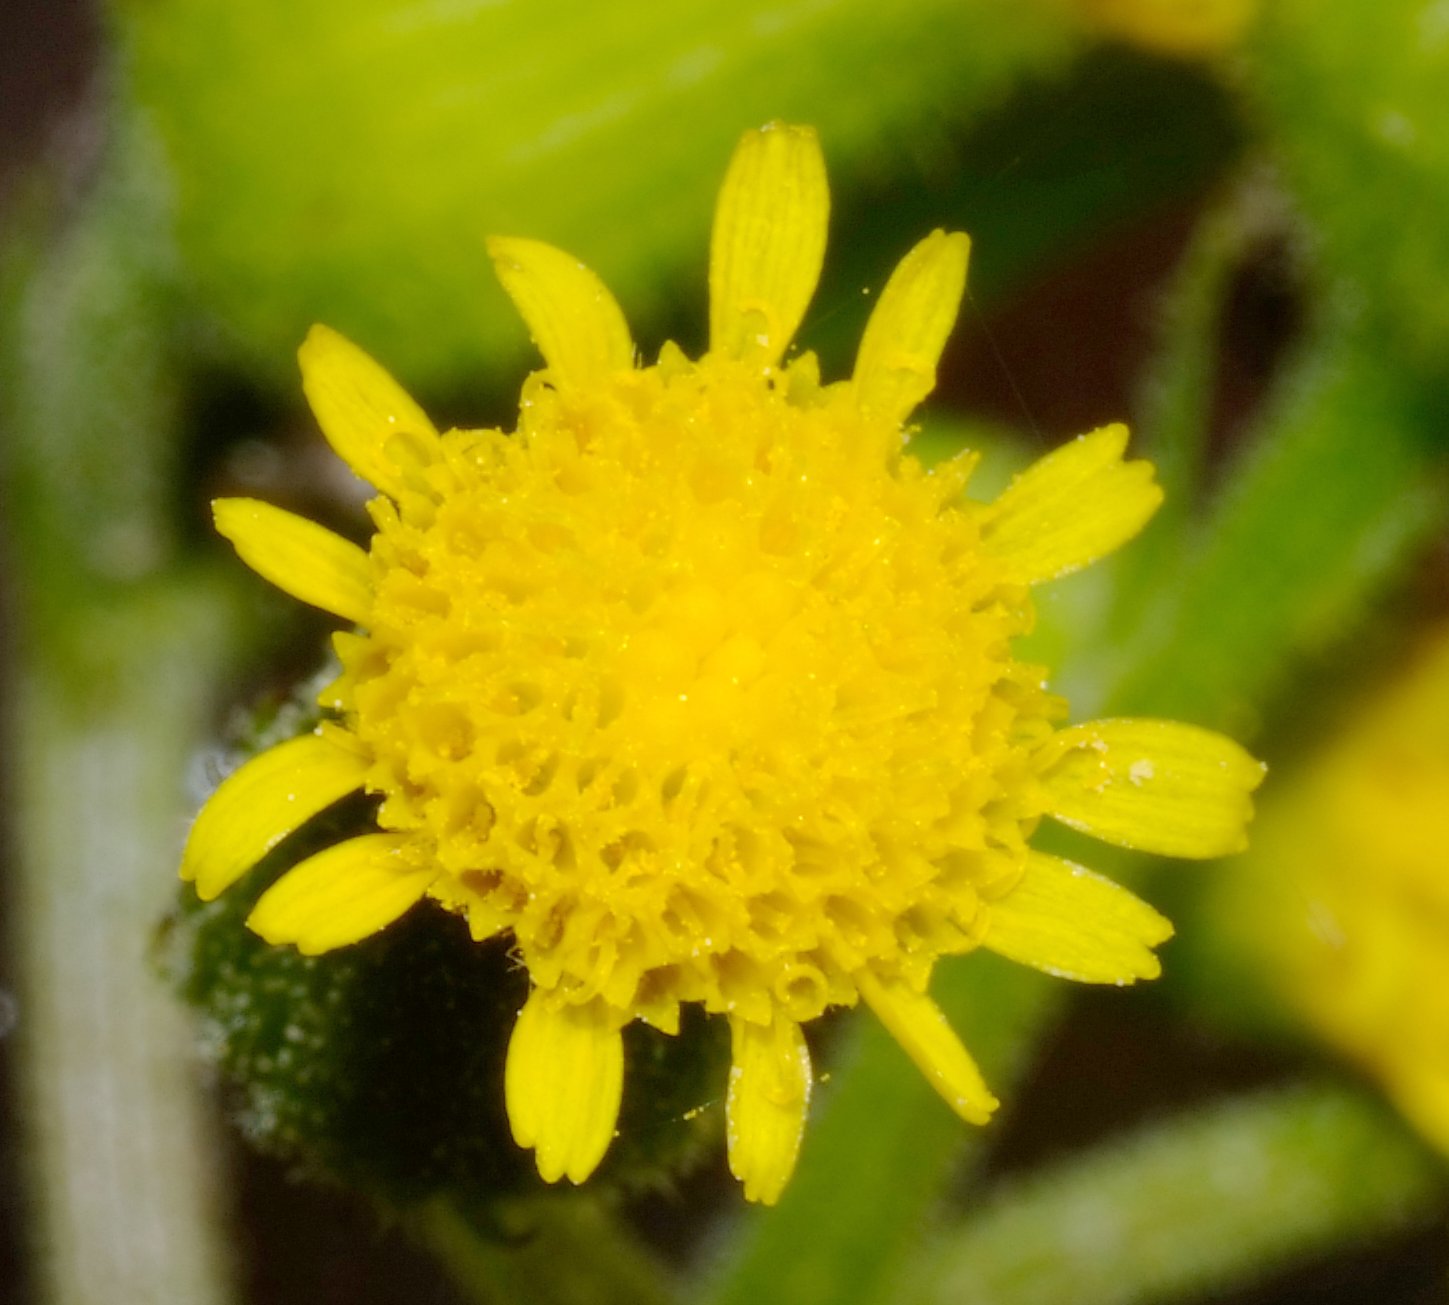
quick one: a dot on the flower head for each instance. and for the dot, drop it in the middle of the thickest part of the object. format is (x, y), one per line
(698, 688)
(1345, 898)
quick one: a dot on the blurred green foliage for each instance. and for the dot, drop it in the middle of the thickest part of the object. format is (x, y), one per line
(1351, 97)
(342, 162)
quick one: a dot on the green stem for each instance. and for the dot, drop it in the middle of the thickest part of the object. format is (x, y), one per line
(1344, 482)
(124, 1188)
(114, 669)
(555, 1251)
(1205, 1204)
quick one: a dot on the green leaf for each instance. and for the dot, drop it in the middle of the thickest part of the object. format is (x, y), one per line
(1344, 479)
(1351, 99)
(1192, 1208)
(90, 399)
(341, 161)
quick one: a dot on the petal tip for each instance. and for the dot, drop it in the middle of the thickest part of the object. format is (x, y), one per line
(319, 339)
(562, 1081)
(503, 251)
(907, 331)
(229, 514)
(360, 408)
(576, 323)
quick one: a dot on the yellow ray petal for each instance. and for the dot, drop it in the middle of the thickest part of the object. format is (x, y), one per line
(298, 556)
(361, 409)
(768, 242)
(1065, 920)
(896, 365)
(1073, 506)
(769, 1094)
(563, 1081)
(573, 318)
(341, 895)
(1154, 785)
(916, 1022)
(259, 804)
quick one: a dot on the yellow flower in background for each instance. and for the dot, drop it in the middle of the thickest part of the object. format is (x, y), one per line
(699, 688)
(1346, 896)
(1177, 27)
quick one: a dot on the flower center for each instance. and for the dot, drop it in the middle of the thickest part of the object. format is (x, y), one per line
(701, 689)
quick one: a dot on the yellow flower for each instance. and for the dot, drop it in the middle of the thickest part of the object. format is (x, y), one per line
(1177, 27)
(1346, 896)
(699, 688)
